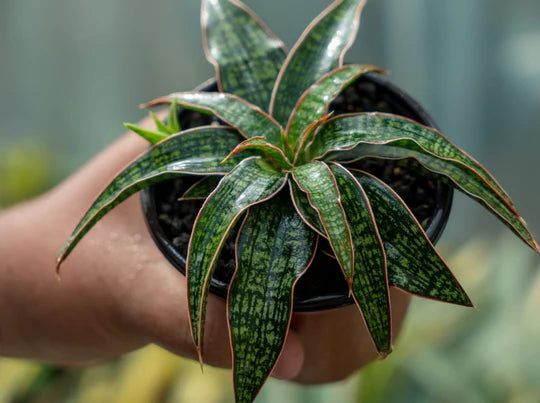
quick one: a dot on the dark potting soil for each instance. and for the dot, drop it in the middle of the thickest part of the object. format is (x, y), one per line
(415, 185)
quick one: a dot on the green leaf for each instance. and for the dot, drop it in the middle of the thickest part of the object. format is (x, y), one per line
(303, 207)
(260, 146)
(275, 248)
(315, 101)
(149, 135)
(162, 127)
(174, 123)
(249, 119)
(319, 50)
(393, 137)
(413, 263)
(370, 281)
(201, 189)
(251, 182)
(196, 151)
(316, 180)
(246, 55)
(343, 133)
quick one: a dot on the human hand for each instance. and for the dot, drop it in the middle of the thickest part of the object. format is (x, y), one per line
(335, 343)
(117, 293)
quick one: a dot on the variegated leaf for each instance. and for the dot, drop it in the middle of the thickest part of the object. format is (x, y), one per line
(315, 101)
(370, 281)
(274, 249)
(319, 50)
(345, 132)
(316, 180)
(390, 136)
(251, 182)
(413, 263)
(196, 151)
(260, 146)
(304, 209)
(246, 55)
(249, 119)
(202, 188)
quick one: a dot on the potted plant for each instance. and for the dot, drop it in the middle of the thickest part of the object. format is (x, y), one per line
(284, 155)
(171, 206)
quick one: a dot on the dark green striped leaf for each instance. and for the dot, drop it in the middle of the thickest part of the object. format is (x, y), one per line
(303, 207)
(249, 119)
(202, 188)
(246, 55)
(345, 132)
(251, 182)
(370, 282)
(464, 179)
(151, 136)
(316, 180)
(274, 249)
(196, 151)
(260, 146)
(319, 50)
(413, 263)
(315, 101)
(389, 136)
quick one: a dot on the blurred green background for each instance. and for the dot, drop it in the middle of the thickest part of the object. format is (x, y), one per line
(72, 71)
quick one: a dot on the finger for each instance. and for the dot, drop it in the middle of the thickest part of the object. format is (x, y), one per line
(291, 359)
(336, 342)
(150, 295)
(167, 324)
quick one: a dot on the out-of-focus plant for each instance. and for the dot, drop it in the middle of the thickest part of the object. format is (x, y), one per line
(24, 172)
(150, 375)
(491, 354)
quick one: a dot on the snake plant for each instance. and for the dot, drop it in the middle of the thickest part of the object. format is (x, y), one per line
(283, 164)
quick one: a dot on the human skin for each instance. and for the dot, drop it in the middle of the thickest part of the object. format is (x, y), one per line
(116, 293)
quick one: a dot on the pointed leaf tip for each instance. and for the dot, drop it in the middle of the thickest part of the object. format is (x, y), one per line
(370, 281)
(151, 136)
(160, 126)
(413, 263)
(260, 146)
(384, 354)
(59, 261)
(246, 55)
(351, 137)
(194, 151)
(319, 50)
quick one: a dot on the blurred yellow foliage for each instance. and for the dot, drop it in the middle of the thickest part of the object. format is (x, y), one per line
(25, 171)
(15, 375)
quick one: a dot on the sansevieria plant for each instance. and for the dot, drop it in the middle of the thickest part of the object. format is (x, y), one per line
(284, 166)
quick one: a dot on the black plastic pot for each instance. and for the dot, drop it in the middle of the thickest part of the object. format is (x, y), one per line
(323, 286)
